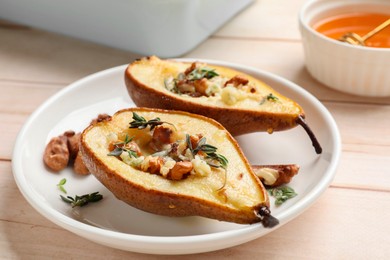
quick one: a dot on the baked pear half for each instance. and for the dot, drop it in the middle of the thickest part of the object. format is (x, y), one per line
(175, 164)
(240, 102)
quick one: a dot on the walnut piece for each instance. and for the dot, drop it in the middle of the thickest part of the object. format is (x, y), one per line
(62, 151)
(180, 170)
(237, 80)
(73, 143)
(56, 155)
(285, 173)
(101, 118)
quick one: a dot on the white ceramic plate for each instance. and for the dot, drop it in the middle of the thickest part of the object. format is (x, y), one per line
(113, 223)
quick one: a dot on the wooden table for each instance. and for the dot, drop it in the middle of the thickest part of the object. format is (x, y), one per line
(350, 221)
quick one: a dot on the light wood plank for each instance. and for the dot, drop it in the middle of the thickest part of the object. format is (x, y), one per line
(353, 213)
(265, 19)
(22, 97)
(362, 124)
(9, 129)
(364, 167)
(39, 56)
(343, 224)
(17, 101)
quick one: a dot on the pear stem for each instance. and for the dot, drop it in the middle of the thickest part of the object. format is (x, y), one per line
(267, 219)
(300, 121)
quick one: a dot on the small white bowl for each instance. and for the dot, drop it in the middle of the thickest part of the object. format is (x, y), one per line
(348, 68)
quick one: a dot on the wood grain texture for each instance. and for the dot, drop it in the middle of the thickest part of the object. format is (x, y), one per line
(341, 220)
(350, 220)
(266, 19)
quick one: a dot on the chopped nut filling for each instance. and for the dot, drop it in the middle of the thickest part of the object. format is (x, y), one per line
(170, 153)
(199, 80)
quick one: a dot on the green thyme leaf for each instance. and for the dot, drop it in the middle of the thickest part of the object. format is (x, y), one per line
(138, 118)
(67, 199)
(210, 151)
(80, 201)
(141, 123)
(127, 139)
(208, 148)
(200, 73)
(282, 194)
(189, 144)
(138, 122)
(132, 153)
(61, 184)
(270, 97)
(120, 147)
(94, 197)
(222, 160)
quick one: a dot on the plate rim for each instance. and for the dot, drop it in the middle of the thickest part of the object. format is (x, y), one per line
(285, 216)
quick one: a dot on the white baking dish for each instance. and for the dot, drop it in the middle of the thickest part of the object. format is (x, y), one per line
(161, 27)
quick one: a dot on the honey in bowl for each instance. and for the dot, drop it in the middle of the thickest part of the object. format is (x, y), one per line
(359, 23)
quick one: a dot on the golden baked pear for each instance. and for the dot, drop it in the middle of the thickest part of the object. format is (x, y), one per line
(175, 164)
(240, 102)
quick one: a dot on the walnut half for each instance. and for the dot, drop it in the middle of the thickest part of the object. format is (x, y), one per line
(62, 151)
(275, 175)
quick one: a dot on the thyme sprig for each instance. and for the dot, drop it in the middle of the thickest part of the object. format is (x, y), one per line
(209, 150)
(202, 72)
(120, 147)
(141, 123)
(61, 184)
(80, 201)
(282, 194)
(270, 97)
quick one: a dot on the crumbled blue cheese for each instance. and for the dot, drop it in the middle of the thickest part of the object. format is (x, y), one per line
(231, 95)
(167, 166)
(132, 161)
(201, 167)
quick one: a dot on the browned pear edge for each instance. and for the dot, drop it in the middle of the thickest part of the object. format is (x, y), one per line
(239, 121)
(162, 203)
